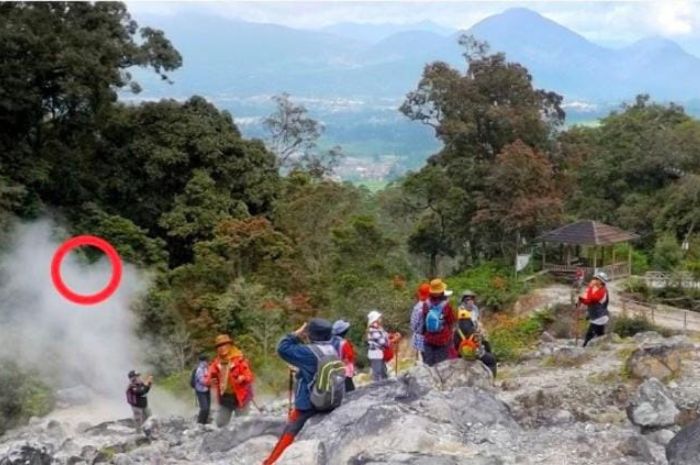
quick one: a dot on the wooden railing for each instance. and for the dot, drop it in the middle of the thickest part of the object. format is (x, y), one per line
(614, 271)
(662, 315)
(660, 280)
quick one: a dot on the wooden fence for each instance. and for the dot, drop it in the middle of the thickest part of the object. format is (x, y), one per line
(671, 318)
(614, 271)
(660, 280)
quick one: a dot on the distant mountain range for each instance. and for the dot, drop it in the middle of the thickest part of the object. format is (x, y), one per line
(227, 58)
(353, 77)
(375, 32)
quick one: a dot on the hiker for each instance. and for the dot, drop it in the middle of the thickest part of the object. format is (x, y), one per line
(136, 396)
(439, 320)
(596, 299)
(379, 346)
(232, 379)
(317, 365)
(198, 382)
(469, 342)
(417, 320)
(468, 302)
(345, 351)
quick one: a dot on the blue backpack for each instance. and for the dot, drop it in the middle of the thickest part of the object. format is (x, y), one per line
(435, 319)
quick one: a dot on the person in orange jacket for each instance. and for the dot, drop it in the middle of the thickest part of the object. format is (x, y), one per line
(232, 379)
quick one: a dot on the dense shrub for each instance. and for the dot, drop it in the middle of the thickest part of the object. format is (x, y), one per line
(626, 326)
(510, 336)
(640, 260)
(22, 396)
(495, 285)
(667, 253)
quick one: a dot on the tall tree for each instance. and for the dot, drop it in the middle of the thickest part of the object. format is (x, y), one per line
(293, 136)
(476, 115)
(178, 168)
(521, 199)
(634, 156)
(63, 63)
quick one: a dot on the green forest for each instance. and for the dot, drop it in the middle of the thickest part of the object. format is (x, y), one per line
(242, 237)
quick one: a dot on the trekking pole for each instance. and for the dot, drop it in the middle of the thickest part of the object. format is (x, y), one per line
(291, 390)
(255, 404)
(396, 359)
(577, 314)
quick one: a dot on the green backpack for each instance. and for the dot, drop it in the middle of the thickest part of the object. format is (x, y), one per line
(328, 386)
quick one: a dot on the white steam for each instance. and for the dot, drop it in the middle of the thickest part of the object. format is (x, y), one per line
(68, 344)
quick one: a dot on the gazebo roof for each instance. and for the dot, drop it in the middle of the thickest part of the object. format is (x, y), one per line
(588, 233)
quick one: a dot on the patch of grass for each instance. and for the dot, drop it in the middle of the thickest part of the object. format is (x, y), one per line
(177, 384)
(22, 395)
(625, 326)
(505, 372)
(624, 353)
(510, 337)
(38, 399)
(108, 452)
(605, 377)
(565, 362)
(495, 286)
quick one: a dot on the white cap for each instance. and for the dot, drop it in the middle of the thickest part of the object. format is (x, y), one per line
(373, 316)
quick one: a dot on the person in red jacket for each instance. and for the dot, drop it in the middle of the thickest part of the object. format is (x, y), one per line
(596, 299)
(232, 379)
(439, 323)
(345, 351)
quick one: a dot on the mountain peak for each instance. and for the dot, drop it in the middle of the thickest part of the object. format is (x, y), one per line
(522, 12)
(656, 44)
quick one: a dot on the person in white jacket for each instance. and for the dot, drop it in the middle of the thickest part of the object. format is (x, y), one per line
(378, 341)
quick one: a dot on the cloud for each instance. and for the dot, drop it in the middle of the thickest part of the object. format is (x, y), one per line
(676, 17)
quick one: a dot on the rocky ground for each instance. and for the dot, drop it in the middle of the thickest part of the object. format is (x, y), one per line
(620, 402)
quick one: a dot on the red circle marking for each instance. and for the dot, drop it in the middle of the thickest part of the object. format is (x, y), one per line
(108, 250)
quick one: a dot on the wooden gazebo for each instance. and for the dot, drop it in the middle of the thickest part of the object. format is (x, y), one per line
(597, 239)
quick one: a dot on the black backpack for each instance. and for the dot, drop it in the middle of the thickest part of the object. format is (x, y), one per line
(193, 378)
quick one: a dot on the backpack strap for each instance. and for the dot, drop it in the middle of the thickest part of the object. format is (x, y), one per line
(318, 353)
(461, 334)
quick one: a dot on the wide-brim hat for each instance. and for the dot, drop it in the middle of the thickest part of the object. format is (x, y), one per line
(319, 330)
(373, 316)
(438, 287)
(468, 293)
(222, 339)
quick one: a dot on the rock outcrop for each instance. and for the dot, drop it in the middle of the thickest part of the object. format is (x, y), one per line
(425, 413)
(684, 448)
(563, 405)
(657, 358)
(652, 408)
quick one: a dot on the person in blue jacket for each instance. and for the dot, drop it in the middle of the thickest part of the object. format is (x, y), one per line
(293, 350)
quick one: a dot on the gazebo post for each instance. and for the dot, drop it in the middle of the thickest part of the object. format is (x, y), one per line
(595, 258)
(629, 259)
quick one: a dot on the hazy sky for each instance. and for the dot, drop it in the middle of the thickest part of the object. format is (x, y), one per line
(607, 23)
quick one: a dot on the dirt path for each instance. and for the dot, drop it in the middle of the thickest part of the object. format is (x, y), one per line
(662, 315)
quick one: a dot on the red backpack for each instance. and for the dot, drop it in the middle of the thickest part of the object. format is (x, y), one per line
(388, 353)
